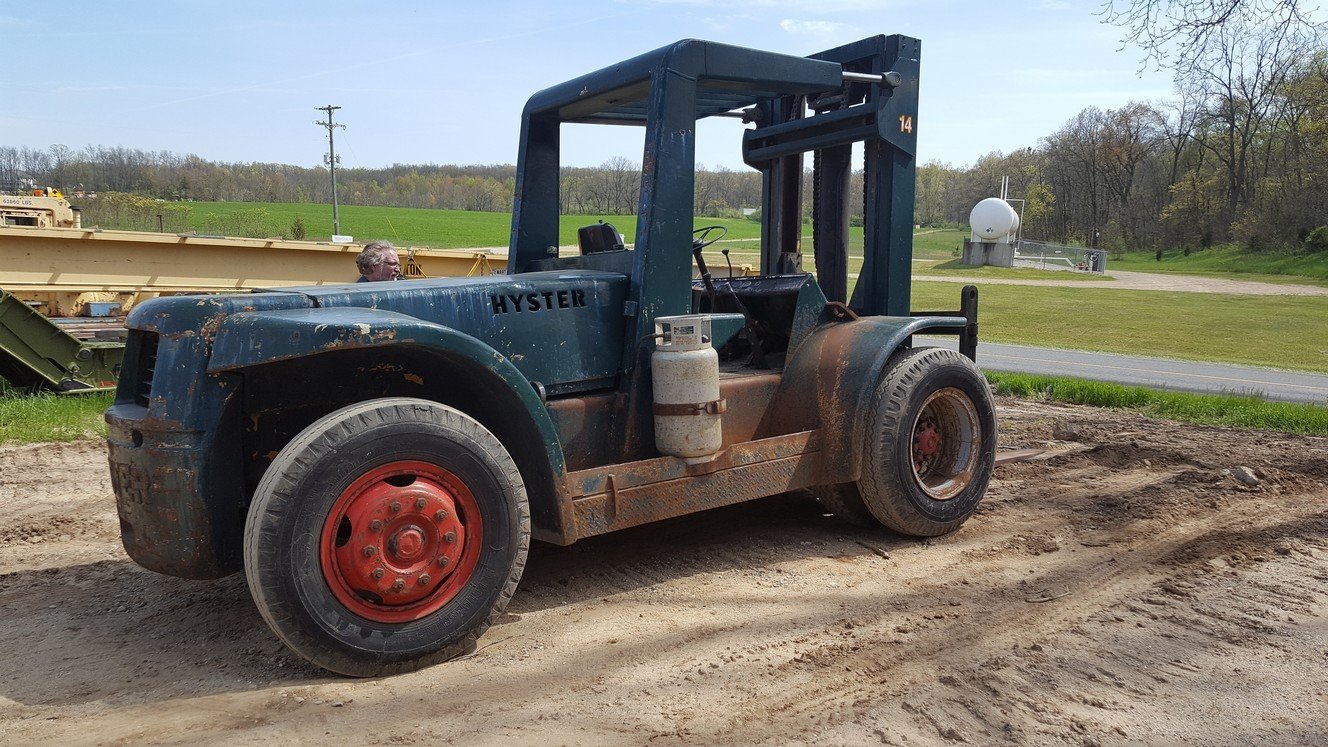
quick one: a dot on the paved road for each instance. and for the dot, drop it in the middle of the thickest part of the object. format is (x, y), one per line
(1158, 373)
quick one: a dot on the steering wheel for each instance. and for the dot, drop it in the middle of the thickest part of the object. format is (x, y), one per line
(701, 237)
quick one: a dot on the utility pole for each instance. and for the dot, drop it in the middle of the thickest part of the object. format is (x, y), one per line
(331, 160)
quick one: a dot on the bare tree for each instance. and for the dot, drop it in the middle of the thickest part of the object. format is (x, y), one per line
(1242, 78)
(1130, 136)
(1178, 33)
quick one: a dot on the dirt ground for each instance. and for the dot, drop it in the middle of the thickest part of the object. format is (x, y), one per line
(1127, 590)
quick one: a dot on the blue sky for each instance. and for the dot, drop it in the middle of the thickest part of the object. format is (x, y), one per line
(445, 82)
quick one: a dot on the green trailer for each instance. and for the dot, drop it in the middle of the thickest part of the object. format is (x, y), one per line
(37, 354)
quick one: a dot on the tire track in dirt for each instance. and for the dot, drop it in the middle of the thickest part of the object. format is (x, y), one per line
(1113, 580)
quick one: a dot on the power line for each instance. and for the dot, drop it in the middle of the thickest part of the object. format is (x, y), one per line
(332, 160)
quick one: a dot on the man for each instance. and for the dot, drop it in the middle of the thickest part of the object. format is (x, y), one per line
(378, 261)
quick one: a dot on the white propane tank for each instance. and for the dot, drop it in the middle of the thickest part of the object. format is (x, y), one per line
(993, 220)
(685, 372)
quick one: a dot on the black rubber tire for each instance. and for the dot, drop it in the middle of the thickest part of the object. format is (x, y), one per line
(887, 486)
(282, 534)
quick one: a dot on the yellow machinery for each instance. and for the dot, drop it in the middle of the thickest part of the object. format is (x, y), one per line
(62, 270)
(40, 208)
(52, 271)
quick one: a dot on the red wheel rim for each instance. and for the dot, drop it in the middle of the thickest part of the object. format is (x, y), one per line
(401, 541)
(946, 444)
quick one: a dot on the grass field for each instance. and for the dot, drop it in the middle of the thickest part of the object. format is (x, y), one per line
(1206, 409)
(1278, 331)
(28, 419)
(462, 229)
(1226, 261)
(442, 229)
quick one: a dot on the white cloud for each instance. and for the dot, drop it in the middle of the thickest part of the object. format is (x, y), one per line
(819, 30)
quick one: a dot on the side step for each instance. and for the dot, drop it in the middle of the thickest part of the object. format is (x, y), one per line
(605, 499)
(36, 354)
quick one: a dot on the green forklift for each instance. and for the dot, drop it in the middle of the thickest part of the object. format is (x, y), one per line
(376, 457)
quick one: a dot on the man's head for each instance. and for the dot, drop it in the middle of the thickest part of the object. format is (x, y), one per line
(378, 261)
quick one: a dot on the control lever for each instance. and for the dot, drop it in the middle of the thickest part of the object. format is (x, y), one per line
(706, 281)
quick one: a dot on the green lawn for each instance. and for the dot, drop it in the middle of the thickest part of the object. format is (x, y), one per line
(442, 229)
(463, 229)
(1207, 409)
(1279, 331)
(938, 243)
(1226, 261)
(26, 419)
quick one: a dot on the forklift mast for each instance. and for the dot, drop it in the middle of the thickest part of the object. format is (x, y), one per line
(883, 117)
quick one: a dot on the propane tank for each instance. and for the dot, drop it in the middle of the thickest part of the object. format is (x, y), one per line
(993, 220)
(685, 372)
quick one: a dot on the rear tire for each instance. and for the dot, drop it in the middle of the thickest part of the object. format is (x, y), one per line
(930, 443)
(387, 536)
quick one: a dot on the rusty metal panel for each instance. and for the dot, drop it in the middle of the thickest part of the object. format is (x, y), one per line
(634, 498)
(661, 469)
(585, 427)
(829, 381)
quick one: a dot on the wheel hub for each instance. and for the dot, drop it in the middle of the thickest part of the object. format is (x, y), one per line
(407, 544)
(928, 440)
(946, 444)
(401, 541)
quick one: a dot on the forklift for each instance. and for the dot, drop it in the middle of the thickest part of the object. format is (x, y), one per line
(376, 458)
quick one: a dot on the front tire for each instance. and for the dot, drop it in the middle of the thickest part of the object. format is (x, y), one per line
(929, 449)
(387, 536)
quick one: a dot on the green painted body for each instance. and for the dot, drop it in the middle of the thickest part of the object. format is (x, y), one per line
(36, 354)
(553, 357)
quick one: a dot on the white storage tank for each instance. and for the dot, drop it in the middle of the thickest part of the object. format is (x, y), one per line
(994, 220)
(684, 370)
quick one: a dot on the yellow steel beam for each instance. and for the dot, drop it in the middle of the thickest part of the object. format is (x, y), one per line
(67, 260)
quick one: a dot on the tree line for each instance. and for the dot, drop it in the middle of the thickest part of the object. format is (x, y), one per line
(611, 188)
(1239, 155)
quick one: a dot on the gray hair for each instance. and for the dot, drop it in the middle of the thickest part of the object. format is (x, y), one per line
(372, 255)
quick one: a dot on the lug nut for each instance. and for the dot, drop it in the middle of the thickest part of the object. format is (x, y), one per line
(439, 515)
(420, 503)
(450, 537)
(369, 551)
(395, 507)
(376, 525)
(443, 561)
(378, 573)
(424, 580)
(398, 585)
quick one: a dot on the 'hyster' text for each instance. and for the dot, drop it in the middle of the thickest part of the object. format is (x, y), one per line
(507, 303)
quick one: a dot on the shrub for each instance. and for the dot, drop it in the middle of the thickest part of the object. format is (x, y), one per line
(1317, 240)
(127, 212)
(297, 229)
